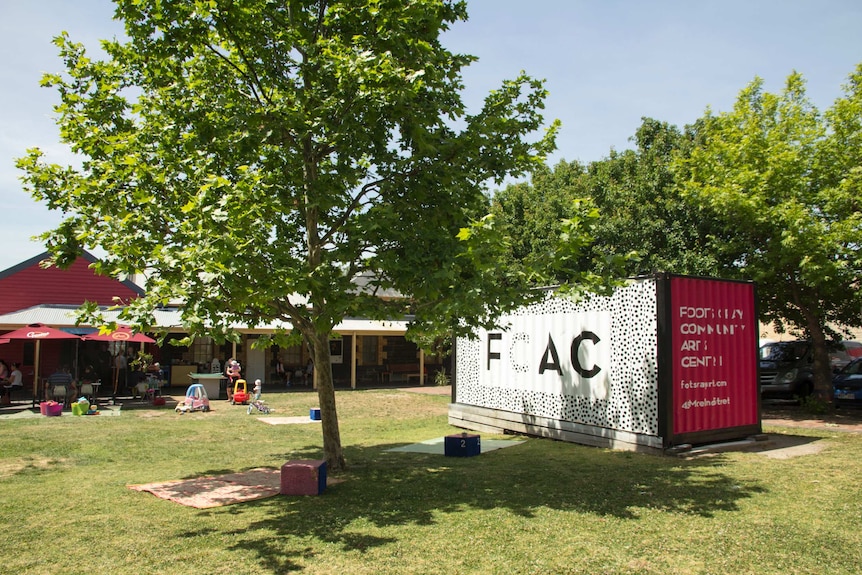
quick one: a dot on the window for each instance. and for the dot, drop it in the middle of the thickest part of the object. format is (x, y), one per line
(369, 350)
(201, 350)
(291, 356)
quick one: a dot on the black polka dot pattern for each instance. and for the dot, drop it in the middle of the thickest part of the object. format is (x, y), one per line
(632, 401)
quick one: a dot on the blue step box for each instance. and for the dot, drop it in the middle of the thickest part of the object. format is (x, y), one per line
(461, 445)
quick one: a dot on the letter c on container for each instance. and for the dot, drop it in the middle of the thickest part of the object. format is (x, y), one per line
(576, 364)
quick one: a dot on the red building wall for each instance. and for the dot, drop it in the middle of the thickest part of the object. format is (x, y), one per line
(27, 285)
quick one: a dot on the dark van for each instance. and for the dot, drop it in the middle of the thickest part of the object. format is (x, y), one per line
(786, 369)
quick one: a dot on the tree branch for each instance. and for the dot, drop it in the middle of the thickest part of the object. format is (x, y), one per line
(354, 205)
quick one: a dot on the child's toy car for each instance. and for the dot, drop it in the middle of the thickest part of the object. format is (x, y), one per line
(240, 393)
(196, 399)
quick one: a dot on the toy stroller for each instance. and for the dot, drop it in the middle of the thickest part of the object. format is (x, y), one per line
(258, 403)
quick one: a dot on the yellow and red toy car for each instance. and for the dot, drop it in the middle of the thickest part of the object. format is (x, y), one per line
(240, 393)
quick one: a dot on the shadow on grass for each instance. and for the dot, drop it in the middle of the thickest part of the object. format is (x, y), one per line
(387, 490)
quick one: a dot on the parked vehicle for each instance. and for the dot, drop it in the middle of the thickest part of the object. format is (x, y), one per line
(847, 384)
(854, 348)
(786, 369)
(846, 352)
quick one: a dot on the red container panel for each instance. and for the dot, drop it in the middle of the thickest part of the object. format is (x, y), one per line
(714, 350)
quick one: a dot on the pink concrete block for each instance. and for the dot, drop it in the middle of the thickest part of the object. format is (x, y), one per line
(303, 477)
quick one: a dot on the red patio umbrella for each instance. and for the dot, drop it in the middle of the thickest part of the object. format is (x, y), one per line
(122, 333)
(37, 332)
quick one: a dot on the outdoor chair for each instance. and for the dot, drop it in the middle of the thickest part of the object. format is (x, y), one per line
(87, 391)
(59, 394)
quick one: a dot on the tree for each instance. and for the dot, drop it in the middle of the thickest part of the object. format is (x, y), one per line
(784, 182)
(637, 194)
(643, 210)
(532, 215)
(255, 158)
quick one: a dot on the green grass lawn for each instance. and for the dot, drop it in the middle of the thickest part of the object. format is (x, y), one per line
(542, 507)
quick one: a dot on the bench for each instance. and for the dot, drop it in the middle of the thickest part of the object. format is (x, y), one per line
(369, 374)
(396, 372)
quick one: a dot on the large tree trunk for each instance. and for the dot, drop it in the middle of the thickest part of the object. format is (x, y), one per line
(822, 368)
(326, 396)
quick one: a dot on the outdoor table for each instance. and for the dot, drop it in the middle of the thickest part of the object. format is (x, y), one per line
(215, 384)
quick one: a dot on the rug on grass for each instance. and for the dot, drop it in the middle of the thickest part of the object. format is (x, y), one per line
(436, 446)
(215, 491)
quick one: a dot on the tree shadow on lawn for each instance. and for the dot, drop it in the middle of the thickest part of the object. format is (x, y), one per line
(389, 489)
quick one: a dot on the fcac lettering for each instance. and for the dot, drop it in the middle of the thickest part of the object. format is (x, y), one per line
(550, 360)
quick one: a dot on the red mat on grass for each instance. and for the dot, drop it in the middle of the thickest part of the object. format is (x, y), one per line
(215, 491)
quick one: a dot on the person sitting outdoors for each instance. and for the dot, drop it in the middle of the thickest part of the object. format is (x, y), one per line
(89, 375)
(61, 377)
(15, 381)
(155, 372)
(136, 376)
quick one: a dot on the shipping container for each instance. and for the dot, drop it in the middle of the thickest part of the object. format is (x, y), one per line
(666, 360)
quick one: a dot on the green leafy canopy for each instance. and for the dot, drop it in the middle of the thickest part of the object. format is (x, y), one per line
(254, 158)
(246, 152)
(783, 181)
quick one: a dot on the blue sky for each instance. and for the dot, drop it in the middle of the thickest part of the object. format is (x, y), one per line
(607, 64)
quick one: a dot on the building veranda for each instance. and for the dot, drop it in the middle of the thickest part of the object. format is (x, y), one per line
(365, 353)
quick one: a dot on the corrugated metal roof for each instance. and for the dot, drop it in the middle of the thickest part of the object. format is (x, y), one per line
(64, 316)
